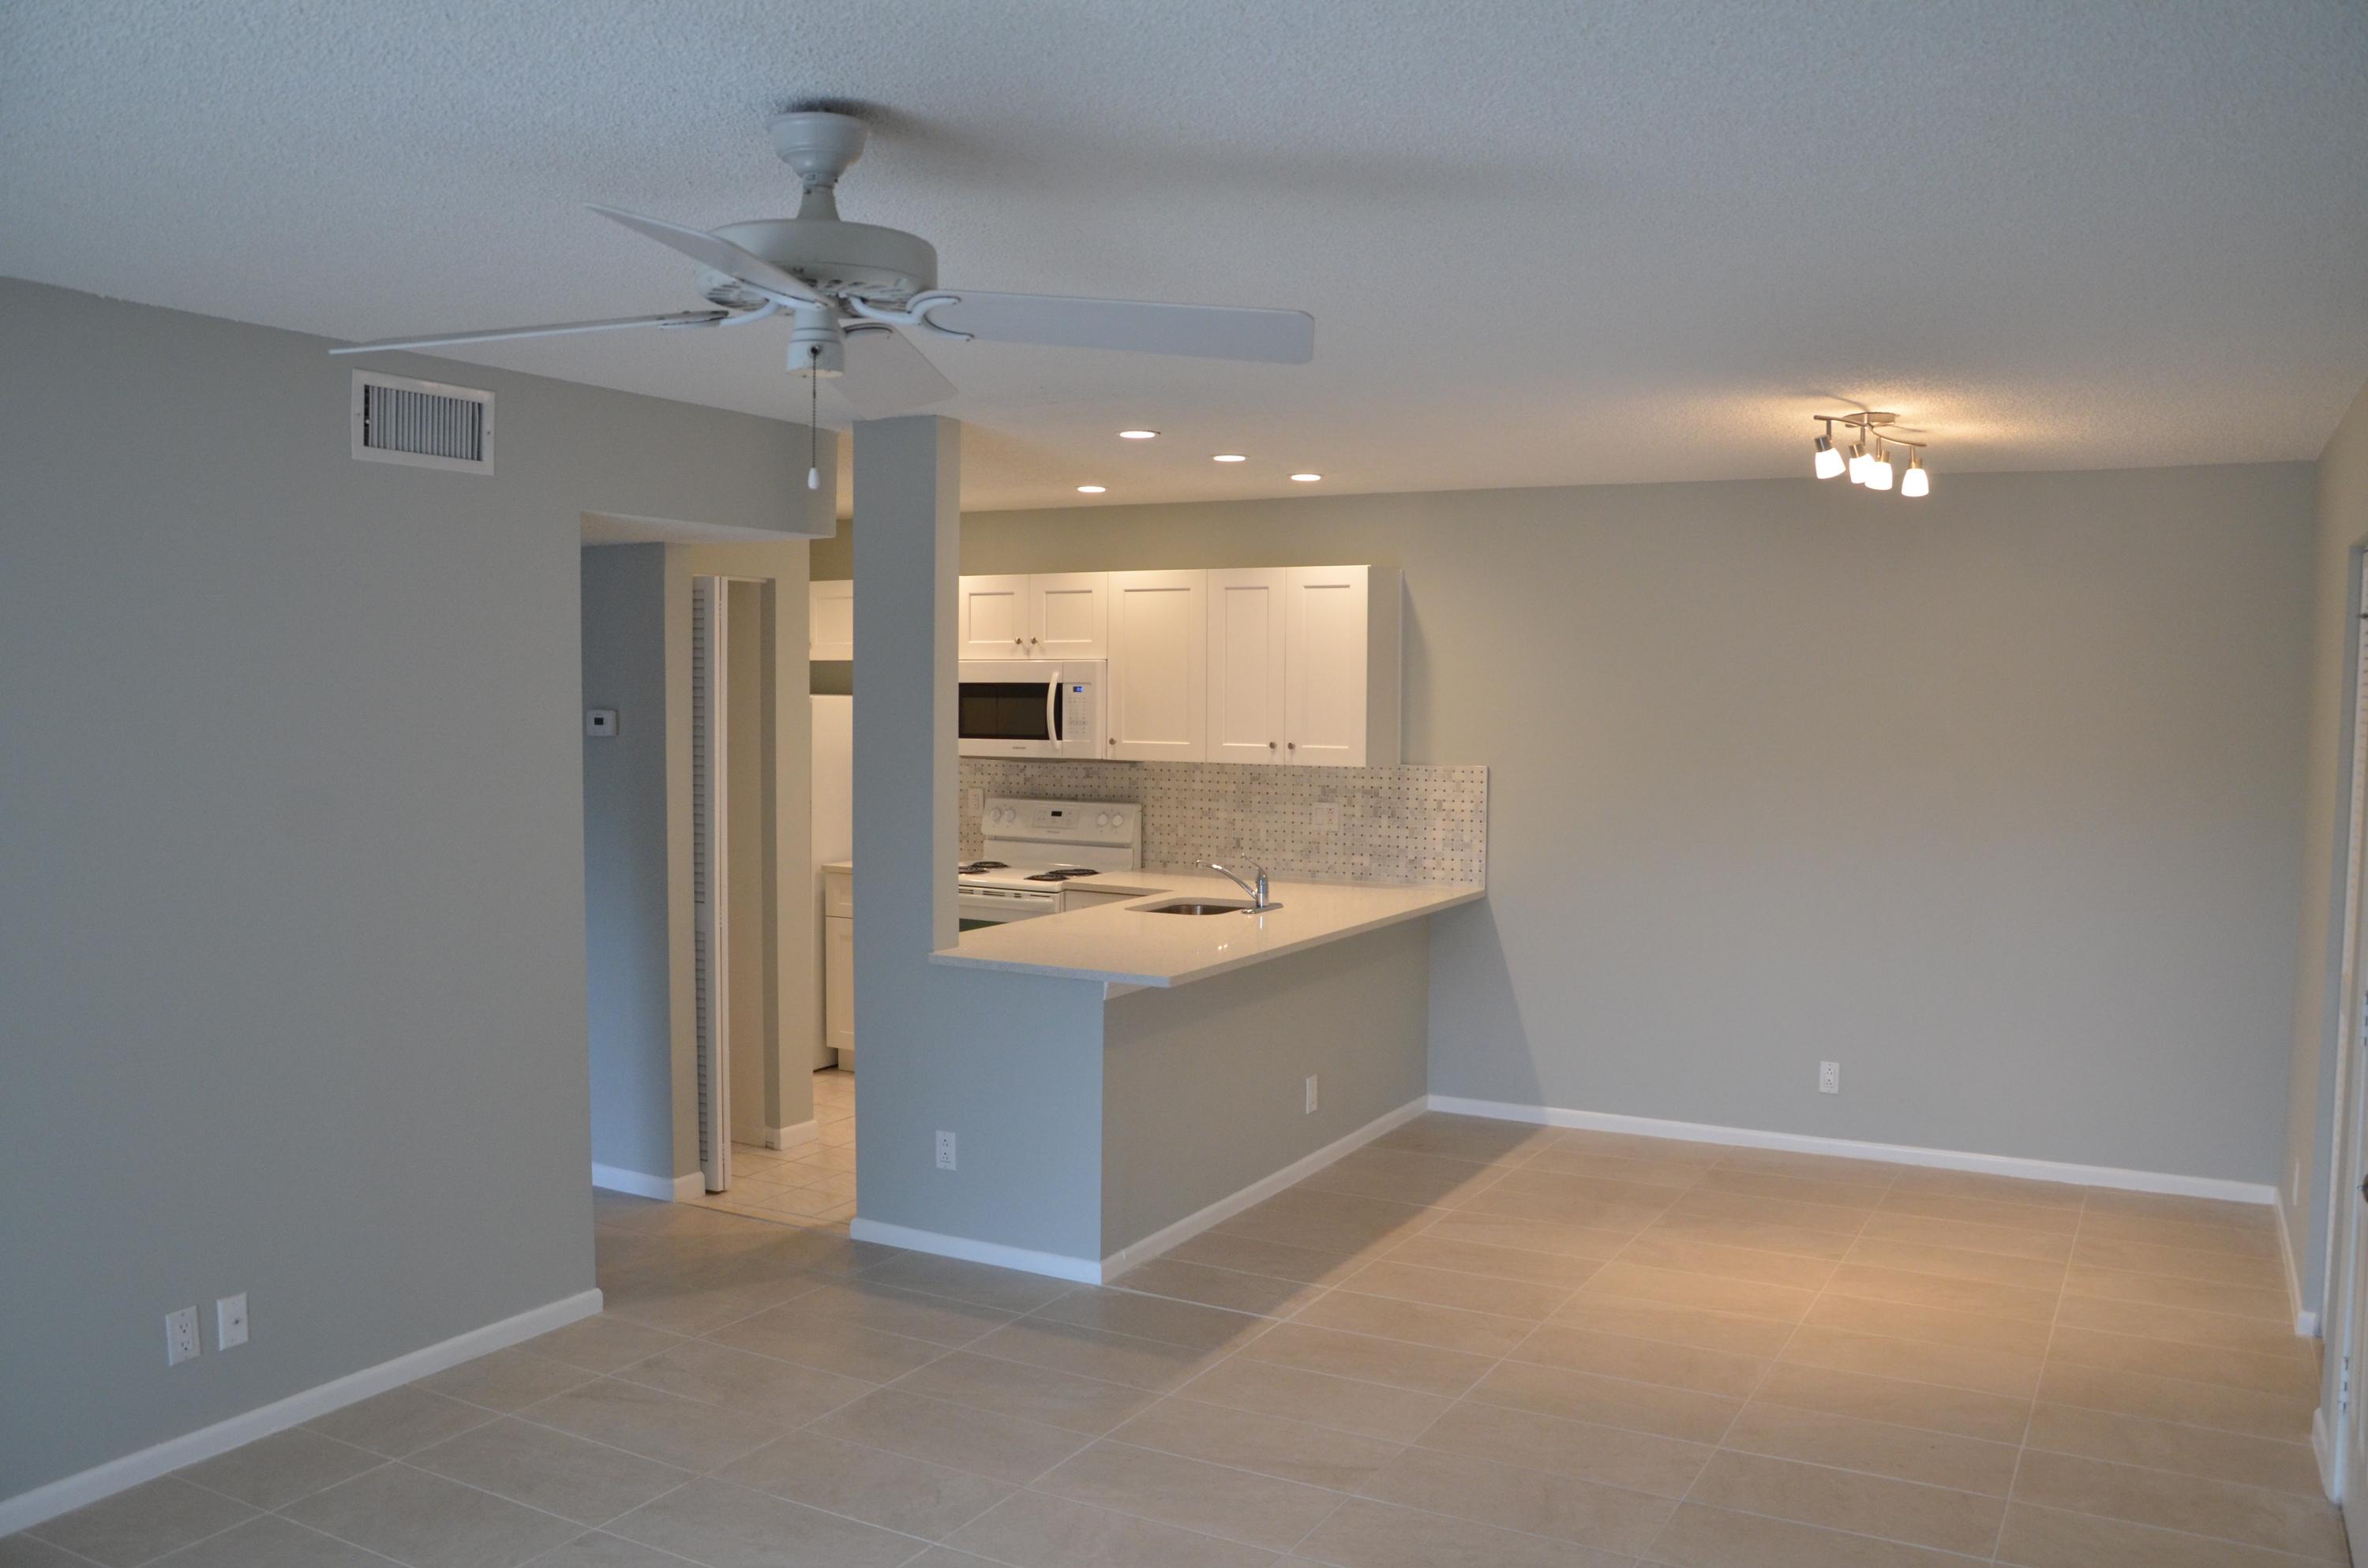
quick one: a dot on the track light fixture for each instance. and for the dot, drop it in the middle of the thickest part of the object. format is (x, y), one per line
(1870, 463)
(1829, 460)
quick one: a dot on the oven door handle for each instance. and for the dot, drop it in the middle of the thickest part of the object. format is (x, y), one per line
(1052, 711)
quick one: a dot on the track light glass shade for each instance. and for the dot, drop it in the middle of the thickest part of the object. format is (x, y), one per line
(1916, 481)
(1830, 461)
(1858, 461)
(1878, 473)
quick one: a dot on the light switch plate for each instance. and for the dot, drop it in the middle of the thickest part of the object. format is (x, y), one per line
(230, 1321)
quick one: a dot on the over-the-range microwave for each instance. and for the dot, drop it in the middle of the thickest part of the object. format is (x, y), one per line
(1031, 707)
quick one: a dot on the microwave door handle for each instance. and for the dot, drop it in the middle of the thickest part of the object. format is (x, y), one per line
(1052, 711)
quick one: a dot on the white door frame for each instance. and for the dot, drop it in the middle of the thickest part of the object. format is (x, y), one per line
(710, 946)
(2345, 1300)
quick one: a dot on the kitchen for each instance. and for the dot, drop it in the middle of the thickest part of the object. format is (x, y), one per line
(1120, 736)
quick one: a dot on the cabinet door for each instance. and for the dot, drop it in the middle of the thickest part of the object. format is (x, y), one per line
(1247, 660)
(839, 987)
(830, 621)
(1323, 714)
(1068, 616)
(1159, 651)
(994, 618)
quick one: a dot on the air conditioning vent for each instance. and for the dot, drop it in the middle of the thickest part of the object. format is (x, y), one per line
(423, 423)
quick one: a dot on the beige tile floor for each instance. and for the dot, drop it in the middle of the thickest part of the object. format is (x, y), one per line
(1470, 1344)
(812, 1182)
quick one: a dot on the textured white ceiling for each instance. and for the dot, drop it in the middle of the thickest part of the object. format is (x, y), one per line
(1544, 243)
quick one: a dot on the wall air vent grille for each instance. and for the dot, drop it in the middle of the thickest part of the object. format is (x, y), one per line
(425, 424)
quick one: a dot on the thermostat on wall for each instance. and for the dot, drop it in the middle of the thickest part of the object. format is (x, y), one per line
(600, 721)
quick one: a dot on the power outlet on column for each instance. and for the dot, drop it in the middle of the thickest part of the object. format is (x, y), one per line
(1830, 1077)
(180, 1336)
(1310, 1094)
(945, 1150)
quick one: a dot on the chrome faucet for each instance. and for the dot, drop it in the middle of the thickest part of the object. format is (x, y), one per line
(1260, 902)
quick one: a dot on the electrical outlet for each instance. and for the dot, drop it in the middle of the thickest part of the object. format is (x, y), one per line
(1327, 814)
(180, 1336)
(1830, 1077)
(945, 1150)
(230, 1321)
(1310, 1094)
(975, 800)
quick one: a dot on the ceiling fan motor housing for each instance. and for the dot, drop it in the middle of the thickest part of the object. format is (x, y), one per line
(884, 265)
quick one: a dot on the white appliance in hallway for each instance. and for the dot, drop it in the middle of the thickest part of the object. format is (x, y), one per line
(1035, 850)
(833, 810)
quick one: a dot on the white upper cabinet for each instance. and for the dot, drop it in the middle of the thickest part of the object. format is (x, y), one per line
(1158, 673)
(994, 618)
(1340, 674)
(830, 619)
(1247, 663)
(1068, 616)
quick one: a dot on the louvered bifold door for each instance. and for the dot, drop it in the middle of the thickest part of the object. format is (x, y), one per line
(709, 946)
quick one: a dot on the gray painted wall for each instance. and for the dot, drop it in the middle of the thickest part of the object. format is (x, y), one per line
(2342, 529)
(1203, 1085)
(627, 987)
(291, 868)
(1992, 797)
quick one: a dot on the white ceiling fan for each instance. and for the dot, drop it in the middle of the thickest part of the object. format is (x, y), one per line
(847, 288)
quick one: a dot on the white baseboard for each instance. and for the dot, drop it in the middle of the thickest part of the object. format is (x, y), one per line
(2322, 1447)
(1086, 1270)
(72, 1492)
(2305, 1322)
(1854, 1149)
(640, 1184)
(1224, 1208)
(1060, 1266)
(794, 1134)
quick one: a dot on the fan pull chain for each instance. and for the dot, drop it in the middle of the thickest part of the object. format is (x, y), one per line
(813, 416)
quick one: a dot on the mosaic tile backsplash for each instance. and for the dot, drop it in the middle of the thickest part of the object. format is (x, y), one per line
(1397, 824)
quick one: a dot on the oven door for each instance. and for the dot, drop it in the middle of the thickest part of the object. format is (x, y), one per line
(977, 907)
(1009, 708)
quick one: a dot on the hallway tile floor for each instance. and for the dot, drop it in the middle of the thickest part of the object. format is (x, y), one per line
(813, 1183)
(1471, 1343)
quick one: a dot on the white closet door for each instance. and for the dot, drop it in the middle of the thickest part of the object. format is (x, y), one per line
(710, 948)
(1247, 661)
(1068, 615)
(993, 622)
(1159, 651)
(1325, 713)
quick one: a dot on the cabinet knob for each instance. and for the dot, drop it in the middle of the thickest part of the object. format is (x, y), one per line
(1270, 745)
(1016, 642)
(1293, 744)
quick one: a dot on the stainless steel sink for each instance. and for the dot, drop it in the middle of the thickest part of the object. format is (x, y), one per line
(1196, 906)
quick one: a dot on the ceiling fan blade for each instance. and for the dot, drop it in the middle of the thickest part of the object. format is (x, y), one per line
(556, 329)
(887, 375)
(709, 250)
(1215, 331)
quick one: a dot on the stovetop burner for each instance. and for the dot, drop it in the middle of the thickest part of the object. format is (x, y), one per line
(978, 867)
(1063, 874)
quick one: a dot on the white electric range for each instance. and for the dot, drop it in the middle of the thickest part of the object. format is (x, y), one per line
(1035, 848)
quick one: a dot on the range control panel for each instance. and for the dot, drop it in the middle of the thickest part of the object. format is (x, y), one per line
(1116, 823)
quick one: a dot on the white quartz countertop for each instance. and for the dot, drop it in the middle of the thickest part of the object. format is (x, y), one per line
(1120, 945)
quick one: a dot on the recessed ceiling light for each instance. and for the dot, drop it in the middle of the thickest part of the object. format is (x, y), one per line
(1136, 435)
(1307, 478)
(1229, 458)
(1091, 489)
